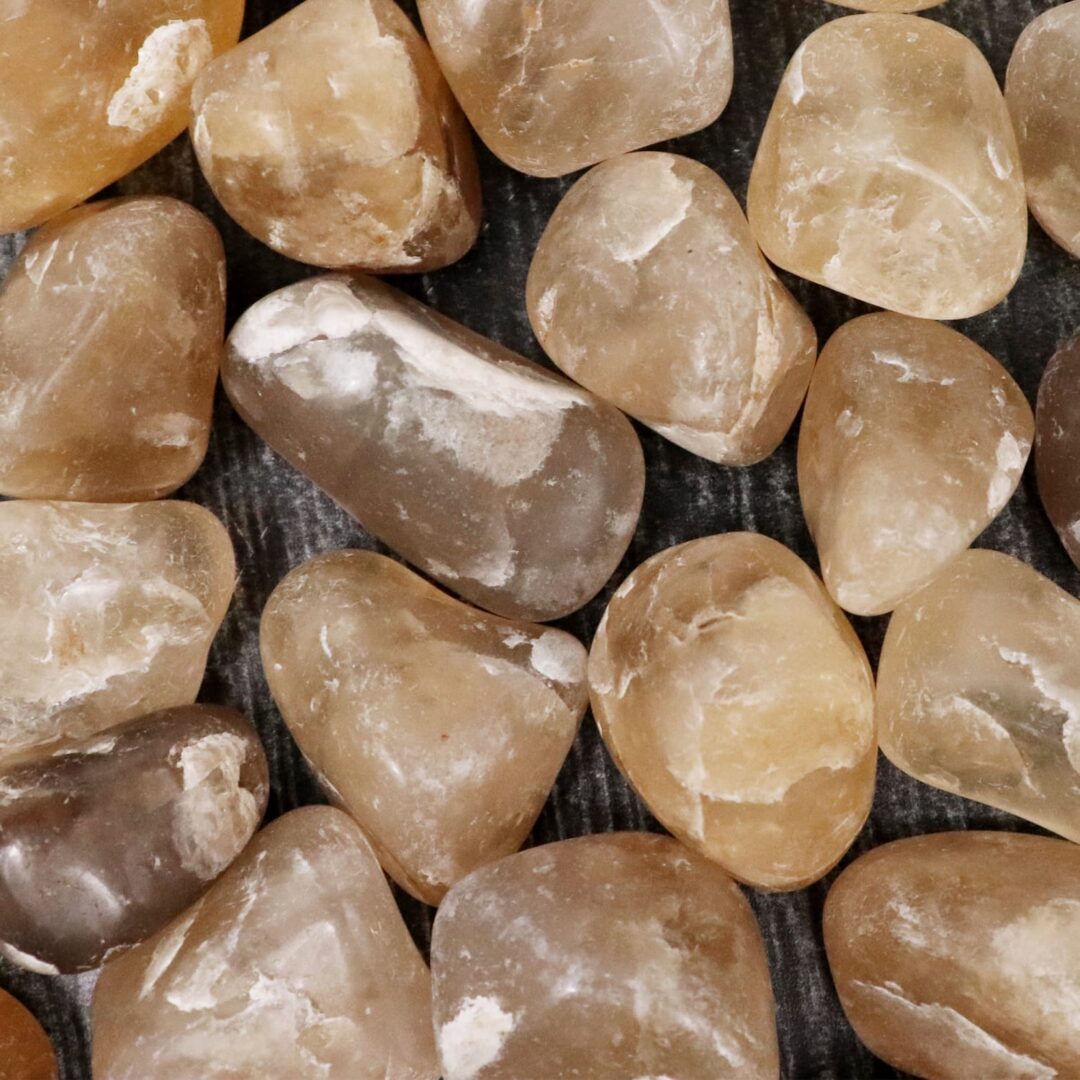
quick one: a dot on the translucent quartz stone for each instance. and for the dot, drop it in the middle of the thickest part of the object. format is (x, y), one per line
(25, 1050)
(622, 955)
(912, 441)
(294, 966)
(106, 613)
(978, 689)
(554, 85)
(957, 956)
(111, 329)
(1043, 92)
(888, 169)
(103, 841)
(1057, 444)
(888, 5)
(505, 482)
(89, 91)
(440, 728)
(331, 136)
(739, 703)
(648, 288)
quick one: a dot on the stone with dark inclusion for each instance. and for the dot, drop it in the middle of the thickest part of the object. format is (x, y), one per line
(1057, 444)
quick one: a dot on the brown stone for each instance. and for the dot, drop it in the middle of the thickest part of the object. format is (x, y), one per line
(25, 1050)
(1057, 444)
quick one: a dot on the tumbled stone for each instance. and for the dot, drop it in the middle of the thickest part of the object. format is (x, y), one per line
(25, 1050)
(888, 169)
(105, 839)
(912, 441)
(1057, 444)
(90, 91)
(648, 289)
(111, 330)
(296, 965)
(499, 479)
(1043, 93)
(738, 702)
(555, 85)
(978, 690)
(332, 136)
(107, 613)
(618, 955)
(957, 955)
(440, 728)
(887, 5)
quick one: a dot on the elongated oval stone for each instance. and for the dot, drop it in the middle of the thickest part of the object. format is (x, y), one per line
(622, 955)
(106, 613)
(979, 692)
(90, 91)
(296, 965)
(888, 169)
(648, 289)
(738, 702)
(888, 5)
(1057, 444)
(107, 838)
(912, 441)
(25, 1050)
(958, 955)
(332, 136)
(111, 331)
(508, 484)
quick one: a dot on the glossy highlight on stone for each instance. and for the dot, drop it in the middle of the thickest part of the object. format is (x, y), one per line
(1057, 444)
(25, 1050)
(738, 701)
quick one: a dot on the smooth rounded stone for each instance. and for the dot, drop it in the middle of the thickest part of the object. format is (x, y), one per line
(111, 330)
(107, 838)
(739, 703)
(106, 613)
(912, 441)
(888, 169)
(1043, 93)
(89, 91)
(648, 289)
(296, 965)
(440, 728)
(25, 1050)
(611, 956)
(501, 480)
(1057, 444)
(957, 955)
(553, 86)
(979, 693)
(332, 136)
(887, 5)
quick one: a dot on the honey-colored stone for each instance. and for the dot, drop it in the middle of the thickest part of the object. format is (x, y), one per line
(957, 956)
(912, 441)
(606, 957)
(106, 613)
(294, 966)
(105, 839)
(499, 479)
(111, 330)
(25, 1050)
(89, 91)
(888, 169)
(1057, 444)
(737, 700)
(648, 289)
(555, 85)
(332, 136)
(979, 692)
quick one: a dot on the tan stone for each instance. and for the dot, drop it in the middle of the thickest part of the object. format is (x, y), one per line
(888, 169)
(912, 441)
(957, 955)
(648, 289)
(331, 136)
(888, 5)
(1057, 444)
(25, 1050)
(738, 701)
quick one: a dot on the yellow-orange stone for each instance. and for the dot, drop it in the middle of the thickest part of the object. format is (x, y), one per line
(25, 1050)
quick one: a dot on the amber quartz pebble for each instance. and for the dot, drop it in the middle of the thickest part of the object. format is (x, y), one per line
(609, 957)
(1057, 444)
(923, 406)
(440, 728)
(957, 956)
(552, 86)
(738, 701)
(296, 965)
(331, 136)
(25, 1050)
(648, 289)
(111, 330)
(888, 169)
(89, 91)
(501, 480)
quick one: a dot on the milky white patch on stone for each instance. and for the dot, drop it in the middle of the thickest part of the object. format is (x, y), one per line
(651, 213)
(25, 960)
(557, 657)
(474, 1038)
(1010, 458)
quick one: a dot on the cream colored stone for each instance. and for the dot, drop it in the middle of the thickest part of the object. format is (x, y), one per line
(888, 5)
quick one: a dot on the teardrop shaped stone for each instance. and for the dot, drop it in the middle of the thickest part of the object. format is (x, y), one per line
(1057, 444)
(25, 1050)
